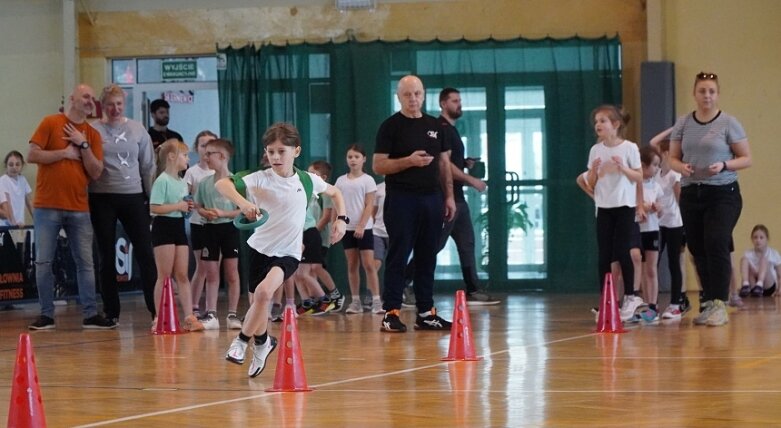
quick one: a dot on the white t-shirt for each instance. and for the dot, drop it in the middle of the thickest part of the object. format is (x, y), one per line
(379, 222)
(773, 259)
(17, 189)
(285, 200)
(613, 188)
(669, 211)
(193, 177)
(651, 193)
(354, 191)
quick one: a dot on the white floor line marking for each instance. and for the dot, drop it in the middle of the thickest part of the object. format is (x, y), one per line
(338, 382)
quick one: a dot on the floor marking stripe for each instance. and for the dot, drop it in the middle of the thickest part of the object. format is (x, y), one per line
(338, 382)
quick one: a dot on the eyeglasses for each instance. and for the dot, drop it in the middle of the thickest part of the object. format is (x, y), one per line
(707, 76)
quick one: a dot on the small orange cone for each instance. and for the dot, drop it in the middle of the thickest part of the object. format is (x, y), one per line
(26, 408)
(462, 347)
(290, 375)
(609, 319)
(167, 319)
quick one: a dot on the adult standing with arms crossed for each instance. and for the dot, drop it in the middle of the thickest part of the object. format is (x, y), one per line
(419, 197)
(707, 147)
(121, 193)
(69, 154)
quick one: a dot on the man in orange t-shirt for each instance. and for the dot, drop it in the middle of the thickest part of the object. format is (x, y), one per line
(69, 154)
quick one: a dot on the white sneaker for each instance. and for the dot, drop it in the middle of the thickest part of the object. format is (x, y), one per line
(631, 303)
(673, 312)
(236, 351)
(233, 322)
(377, 307)
(210, 322)
(355, 307)
(260, 354)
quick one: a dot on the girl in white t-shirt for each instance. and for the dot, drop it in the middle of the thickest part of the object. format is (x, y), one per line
(649, 232)
(760, 266)
(16, 190)
(613, 172)
(193, 177)
(359, 189)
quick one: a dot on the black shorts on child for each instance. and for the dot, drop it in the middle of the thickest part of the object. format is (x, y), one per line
(220, 239)
(312, 244)
(261, 264)
(168, 231)
(366, 242)
(197, 236)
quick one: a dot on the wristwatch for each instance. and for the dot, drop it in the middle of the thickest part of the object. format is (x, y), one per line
(344, 218)
(84, 145)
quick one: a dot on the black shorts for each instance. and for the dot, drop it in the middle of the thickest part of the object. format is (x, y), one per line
(324, 254)
(634, 239)
(313, 243)
(261, 264)
(220, 239)
(365, 243)
(198, 236)
(650, 240)
(168, 231)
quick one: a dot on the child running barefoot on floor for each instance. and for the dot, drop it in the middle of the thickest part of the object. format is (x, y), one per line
(167, 204)
(760, 266)
(276, 245)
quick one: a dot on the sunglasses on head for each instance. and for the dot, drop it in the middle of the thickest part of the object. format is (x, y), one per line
(707, 76)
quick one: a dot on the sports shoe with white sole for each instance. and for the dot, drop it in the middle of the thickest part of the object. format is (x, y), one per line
(237, 351)
(260, 354)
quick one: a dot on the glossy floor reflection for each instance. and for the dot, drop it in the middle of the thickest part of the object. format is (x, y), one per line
(543, 366)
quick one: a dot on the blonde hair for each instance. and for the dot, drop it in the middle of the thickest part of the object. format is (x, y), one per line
(112, 90)
(171, 146)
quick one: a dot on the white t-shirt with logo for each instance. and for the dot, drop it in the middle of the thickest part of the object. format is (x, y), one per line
(285, 200)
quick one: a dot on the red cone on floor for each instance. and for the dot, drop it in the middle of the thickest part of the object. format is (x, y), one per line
(609, 318)
(167, 319)
(26, 407)
(290, 375)
(462, 347)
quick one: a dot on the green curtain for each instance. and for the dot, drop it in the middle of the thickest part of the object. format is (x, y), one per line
(338, 94)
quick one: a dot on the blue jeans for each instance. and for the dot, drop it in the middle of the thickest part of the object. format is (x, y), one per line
(78, 228)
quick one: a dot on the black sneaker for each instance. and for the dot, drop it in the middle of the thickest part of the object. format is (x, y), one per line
(97, 322)
(391, 322)
(432, 322)
(338, 298)
(481, 298)
(42, 323)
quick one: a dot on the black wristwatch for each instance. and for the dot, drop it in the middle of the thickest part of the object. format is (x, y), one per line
(84, 145)
(344, 218)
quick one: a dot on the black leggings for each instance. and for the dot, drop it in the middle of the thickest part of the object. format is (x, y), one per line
(672, 238)
(614, 233)
(105, 210)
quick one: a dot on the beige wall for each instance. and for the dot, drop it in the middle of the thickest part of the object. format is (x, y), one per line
(739, 42)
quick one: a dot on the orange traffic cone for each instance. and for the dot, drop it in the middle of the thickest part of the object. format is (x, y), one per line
(26, 408)
(290, 375)
(462, 347)
(167, 319)
(609, 319)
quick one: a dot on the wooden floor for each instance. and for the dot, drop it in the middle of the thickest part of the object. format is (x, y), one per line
(543, 366)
